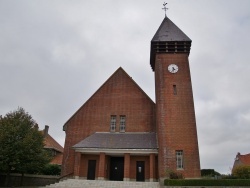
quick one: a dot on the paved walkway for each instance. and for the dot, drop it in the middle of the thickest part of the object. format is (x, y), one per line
(76, 183)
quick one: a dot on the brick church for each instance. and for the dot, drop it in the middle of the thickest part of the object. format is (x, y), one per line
(120, 134)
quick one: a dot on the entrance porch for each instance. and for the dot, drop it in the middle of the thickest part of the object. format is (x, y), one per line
(116, 167)
(117, 156)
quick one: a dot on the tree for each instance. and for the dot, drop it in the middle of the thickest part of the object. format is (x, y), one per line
(209, 173)
(21, 144)
(241, 172)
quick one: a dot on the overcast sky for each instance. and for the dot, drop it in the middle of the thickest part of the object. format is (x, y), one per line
(55, 54)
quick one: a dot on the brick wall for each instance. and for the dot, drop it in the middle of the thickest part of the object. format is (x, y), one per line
(175, 116)
(84, 164)
(119, 95)
(133, 160)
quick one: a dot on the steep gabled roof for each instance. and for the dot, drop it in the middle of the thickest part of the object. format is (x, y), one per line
(241, 160)
(245, 159)
(51, 143)
(119, 70)
(168, 31)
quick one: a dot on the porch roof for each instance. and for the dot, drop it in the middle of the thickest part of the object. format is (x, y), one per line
(104, 140)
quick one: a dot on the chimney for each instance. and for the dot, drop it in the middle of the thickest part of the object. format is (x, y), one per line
(46, 130)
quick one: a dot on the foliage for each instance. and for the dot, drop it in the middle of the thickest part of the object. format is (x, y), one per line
(227, 176)
(207, 182)
(209, 173)
(241, 172)
(174, 175)
(21, 143)
(51, 169)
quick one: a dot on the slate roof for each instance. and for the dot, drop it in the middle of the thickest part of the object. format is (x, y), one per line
(119, 141)
(169, 39)
(168, 31)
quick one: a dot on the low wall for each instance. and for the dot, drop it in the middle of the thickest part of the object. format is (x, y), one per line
(28, 180)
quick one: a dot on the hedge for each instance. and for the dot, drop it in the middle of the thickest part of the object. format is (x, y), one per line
(207, 182)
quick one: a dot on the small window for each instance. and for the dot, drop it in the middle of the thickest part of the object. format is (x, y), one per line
(179, 159)
(112, 123)
(122, 123)
(174, 89)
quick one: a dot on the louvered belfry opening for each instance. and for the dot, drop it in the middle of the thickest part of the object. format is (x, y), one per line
(171, 47)
(169, 39)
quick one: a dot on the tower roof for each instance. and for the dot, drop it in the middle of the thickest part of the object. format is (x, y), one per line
(168, 31)
(169, 39)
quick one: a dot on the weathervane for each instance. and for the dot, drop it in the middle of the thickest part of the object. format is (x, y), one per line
(165, 8)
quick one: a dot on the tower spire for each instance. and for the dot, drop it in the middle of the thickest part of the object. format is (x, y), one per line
(165, 8)
(169, 39)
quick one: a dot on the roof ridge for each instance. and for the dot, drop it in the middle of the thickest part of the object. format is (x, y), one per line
(119, 69)
(55, 145)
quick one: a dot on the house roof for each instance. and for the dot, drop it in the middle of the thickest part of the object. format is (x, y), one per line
(57, 159)
(168, 31)
(119, 141)
(50, 143)
(245, 159)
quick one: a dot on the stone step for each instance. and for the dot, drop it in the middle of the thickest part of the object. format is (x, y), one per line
(76, 183)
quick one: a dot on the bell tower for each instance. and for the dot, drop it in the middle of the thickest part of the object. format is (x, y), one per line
(175, 114)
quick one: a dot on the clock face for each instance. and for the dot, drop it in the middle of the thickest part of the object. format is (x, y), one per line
(173, 68)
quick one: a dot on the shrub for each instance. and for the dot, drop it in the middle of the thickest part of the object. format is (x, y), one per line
(241, 172)
(209, 173)
(174, 175)
(51, 169)
(207, 182)
(228, 176)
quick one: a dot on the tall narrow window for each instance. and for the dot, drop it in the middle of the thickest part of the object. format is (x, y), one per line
(112, 123)
(179, 159)
(174, 89)
(122, 123)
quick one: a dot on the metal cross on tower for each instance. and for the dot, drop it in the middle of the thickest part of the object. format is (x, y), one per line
(165, 8)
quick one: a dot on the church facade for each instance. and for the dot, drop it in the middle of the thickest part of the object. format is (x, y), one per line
(120, 134)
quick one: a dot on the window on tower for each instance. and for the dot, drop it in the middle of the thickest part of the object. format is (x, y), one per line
(112, 123)
(122, 123)
(179, 159)
(174, 89)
